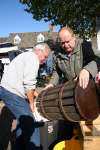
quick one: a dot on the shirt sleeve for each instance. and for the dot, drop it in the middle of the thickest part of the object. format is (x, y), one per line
(92, 68)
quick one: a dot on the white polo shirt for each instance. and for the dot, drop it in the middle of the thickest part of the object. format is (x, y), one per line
(21, 73)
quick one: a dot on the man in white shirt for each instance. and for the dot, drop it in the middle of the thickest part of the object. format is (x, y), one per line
(17, 91)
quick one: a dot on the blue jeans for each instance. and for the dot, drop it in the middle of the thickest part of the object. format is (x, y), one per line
(27, 130)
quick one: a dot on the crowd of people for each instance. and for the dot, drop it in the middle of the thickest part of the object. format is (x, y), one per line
(72, 60)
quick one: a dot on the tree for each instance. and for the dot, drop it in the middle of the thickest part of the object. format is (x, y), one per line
(78, 14)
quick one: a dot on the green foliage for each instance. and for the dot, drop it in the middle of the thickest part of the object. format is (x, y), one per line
(78, 14)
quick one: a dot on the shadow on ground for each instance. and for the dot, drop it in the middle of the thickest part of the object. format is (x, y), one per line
(7, 125)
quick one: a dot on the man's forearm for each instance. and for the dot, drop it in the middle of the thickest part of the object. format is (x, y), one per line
(31, 98)
(30, 95)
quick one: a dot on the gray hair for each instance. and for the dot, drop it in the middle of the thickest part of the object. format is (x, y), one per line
(42, 47)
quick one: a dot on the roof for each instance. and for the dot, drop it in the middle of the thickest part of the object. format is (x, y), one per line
(29, 39)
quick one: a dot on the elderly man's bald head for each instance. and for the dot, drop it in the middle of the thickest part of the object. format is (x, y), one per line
(67, 39)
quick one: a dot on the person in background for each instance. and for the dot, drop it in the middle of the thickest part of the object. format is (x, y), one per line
(49, 64)
(73, 60)
(45, 71)
(17, 91)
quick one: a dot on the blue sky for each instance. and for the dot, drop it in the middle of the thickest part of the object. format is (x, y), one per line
(13, 18)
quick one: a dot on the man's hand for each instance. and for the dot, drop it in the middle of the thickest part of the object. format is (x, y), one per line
(48, 86)
(36, 94)
(83, 78)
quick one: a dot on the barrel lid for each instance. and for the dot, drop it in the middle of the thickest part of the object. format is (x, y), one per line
(87, 101)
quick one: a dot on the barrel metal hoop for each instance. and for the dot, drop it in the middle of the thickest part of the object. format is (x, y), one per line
(41, 105)
(61, 104)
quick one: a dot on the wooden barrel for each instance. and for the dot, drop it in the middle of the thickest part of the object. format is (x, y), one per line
(69, 101)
